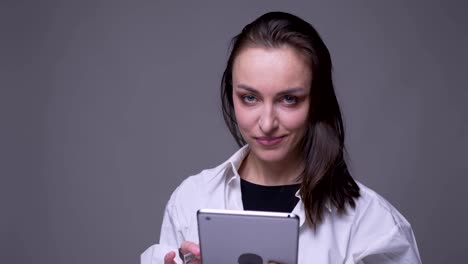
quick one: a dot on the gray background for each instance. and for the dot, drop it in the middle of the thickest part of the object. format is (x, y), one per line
(105, 106)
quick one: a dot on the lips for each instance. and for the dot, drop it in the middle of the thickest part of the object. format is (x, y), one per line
(269, 141)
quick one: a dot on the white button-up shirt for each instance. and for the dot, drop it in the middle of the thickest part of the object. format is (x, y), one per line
(373, 232)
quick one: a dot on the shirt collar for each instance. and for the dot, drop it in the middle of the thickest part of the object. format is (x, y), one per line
(234, 162)
(232, 174)
(299, 210)
(327, 204)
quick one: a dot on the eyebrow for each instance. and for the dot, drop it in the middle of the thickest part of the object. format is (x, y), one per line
(287, 91)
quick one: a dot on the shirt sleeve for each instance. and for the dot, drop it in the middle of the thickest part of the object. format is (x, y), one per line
(382, 235)
(398, 246)
(170, 239)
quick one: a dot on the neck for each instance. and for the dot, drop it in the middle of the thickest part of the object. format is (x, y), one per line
(270, 173)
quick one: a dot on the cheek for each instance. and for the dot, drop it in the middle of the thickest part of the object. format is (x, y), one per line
(245, 118)
(245, 121)
(296, 121)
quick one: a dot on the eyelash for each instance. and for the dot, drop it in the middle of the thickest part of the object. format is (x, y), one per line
(290, 97)
(251, 99)
(245, 98)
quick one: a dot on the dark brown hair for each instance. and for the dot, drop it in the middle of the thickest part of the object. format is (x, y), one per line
(325, 179)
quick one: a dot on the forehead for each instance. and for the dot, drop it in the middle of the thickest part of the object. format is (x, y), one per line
(271, 68)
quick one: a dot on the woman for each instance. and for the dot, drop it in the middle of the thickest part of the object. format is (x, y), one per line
(279, 103)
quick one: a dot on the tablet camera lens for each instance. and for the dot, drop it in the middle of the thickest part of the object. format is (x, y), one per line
(208, 218)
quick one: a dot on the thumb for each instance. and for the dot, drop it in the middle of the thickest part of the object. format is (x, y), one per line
(169, 258)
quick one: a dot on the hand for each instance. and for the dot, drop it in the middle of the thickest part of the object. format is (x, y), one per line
(169, 258)
(193, 248)
(185, 248)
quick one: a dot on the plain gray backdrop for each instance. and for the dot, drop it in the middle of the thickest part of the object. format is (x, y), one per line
(106, 106)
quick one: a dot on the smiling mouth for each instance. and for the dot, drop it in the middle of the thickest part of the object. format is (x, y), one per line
(269, 141)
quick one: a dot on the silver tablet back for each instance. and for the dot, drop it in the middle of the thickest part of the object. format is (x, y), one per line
(247, 237)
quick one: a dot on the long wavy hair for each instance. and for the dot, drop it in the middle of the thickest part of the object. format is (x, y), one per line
(325, 180)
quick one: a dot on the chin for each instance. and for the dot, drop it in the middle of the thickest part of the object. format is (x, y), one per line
(270, 155)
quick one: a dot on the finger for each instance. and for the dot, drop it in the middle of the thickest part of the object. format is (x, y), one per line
(169, 258)
(191, 247)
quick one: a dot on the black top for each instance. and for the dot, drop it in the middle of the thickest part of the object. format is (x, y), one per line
(269, 198)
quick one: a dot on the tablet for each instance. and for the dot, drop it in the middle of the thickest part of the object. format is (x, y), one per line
(248, 237)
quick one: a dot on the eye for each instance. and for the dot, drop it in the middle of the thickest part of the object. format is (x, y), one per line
(290, 100)
(249, 98)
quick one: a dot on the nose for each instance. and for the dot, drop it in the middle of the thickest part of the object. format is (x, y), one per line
(268, 121)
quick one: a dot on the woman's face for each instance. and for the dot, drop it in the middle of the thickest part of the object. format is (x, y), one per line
(271, 88)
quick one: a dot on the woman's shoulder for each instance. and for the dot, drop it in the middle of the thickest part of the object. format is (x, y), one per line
(373, 209)
(204, 179)
(214, 177)
(378, 230)
(200, 188)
